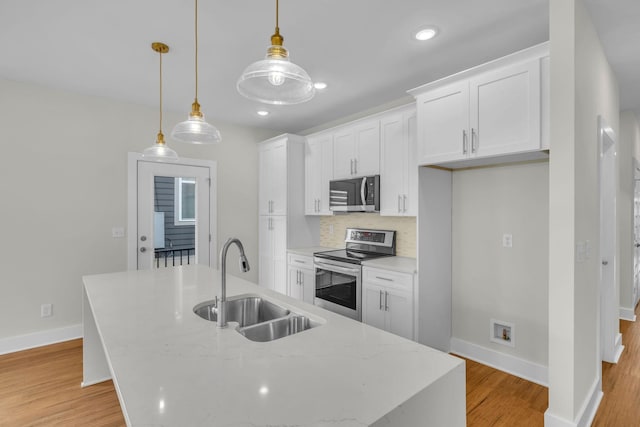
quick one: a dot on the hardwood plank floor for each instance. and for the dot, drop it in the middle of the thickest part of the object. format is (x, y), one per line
(41, 387)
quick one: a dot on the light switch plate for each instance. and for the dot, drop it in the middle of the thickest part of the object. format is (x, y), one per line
(117, 232)
(507, 240)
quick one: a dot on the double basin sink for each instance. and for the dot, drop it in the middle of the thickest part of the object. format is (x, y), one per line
(258, 319)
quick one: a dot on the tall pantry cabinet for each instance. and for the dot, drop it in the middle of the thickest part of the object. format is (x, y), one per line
(281, 223)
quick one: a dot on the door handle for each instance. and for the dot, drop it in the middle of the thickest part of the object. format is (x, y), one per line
(143, 238)
(351, 169)
(404, 203)
(143, 249)
(399, 199)
(465, 146)
(386, 301)
(605, 262)
(474, 139)
(380, 300)
(355, 166)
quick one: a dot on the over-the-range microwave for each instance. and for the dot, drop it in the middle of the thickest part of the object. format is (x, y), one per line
(355, 194)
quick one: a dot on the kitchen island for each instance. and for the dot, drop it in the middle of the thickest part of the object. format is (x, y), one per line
(173, 368)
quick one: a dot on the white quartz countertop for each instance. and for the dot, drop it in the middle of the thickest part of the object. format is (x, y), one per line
(309, 251)
(393, 263)
(172, 368)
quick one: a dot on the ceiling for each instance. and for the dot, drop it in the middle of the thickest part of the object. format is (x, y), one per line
(363, 49)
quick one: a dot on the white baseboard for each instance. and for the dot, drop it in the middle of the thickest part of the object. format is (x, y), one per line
(627, 314)
(525, 369)
(39, 339)
(587, 413)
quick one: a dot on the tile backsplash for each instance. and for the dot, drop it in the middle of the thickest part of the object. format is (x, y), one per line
(405, 229)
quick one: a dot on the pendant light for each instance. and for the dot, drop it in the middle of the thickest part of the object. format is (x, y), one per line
(160, 149)
(276, 80)
(195, 129)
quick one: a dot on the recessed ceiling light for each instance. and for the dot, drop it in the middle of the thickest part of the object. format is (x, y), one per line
(263, 113)
(320, 85)
(426, 33)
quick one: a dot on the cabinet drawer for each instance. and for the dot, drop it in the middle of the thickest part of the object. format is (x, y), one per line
(300, 261)
(389, 279)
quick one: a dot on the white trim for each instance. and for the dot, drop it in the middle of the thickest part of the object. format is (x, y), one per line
(627, 314)
(587, 412)
(39, 339)
(525, 369)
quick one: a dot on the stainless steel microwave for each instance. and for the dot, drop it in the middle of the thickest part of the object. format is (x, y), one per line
(355, 194)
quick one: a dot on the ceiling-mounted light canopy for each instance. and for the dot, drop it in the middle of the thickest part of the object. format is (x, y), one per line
(195, 129)
(276, 80)
(160, 149)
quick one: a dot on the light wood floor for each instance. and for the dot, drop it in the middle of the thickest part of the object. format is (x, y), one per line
(41, 387)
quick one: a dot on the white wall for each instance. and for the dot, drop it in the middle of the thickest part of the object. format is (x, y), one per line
(582, 87)
(628, 139)
(490, 281)
(64, 185)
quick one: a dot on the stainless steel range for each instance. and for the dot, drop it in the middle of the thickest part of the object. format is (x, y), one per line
(339, 272)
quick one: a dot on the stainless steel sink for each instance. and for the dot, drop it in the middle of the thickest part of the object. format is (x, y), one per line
(258, 319)
(278, 328)
(246, 310)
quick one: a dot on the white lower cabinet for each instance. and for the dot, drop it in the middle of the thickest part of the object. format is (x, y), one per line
(388, 301)
(302, 278)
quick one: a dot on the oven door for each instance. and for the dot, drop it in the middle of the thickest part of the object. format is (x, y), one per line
(339, 288)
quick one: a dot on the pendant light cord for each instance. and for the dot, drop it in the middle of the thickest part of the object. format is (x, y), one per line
(277, 26)
(160, 53)
(196, 38)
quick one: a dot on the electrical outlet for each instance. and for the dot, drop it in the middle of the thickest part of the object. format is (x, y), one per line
(507, 240)
(46, 310)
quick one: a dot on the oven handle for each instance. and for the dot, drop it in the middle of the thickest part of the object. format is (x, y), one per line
(330, 267)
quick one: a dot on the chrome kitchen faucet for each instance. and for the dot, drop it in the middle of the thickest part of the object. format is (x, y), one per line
(244, 266)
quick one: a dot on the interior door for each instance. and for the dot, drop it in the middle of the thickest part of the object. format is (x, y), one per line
(165, 212)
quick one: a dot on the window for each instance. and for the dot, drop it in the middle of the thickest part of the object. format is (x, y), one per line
(185, 201)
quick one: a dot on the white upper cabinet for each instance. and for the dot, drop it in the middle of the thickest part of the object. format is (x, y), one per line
(490, 114)
(443, 125)
(318, 173)
(356, 150)
(273, 178)
(505, 110)
(398, 163)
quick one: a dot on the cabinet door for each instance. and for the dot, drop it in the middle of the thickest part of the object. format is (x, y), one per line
(295, 289)
(373, 306)
(344, 142)
(312, 176)
(443, 123)
(265, 253)
(326, 174)
(410, 203)
(264, 167)
(318, 173)
(308, 286)
(392, 165)
(278, 178)
(505, 110)
(367, 159)
(399, 312)
(279, 252)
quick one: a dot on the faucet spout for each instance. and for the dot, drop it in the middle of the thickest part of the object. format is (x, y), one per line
(244, 267)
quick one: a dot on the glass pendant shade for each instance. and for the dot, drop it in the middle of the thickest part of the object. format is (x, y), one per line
(159, 150)
(276, 80)
(195, 129)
